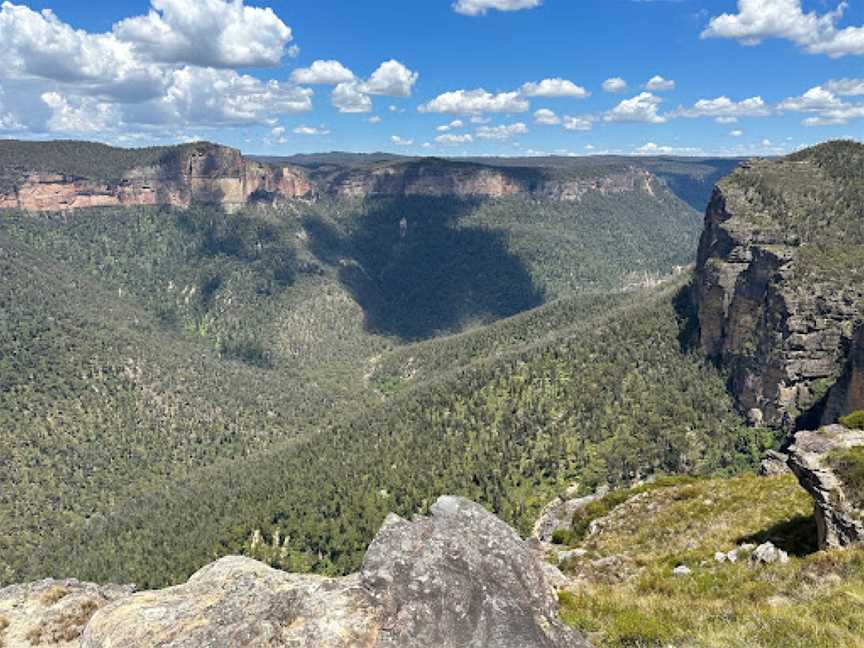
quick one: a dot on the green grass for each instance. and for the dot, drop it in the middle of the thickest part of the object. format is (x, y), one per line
(582, 519)
(817, 599)
(853, 421)
(849, 466)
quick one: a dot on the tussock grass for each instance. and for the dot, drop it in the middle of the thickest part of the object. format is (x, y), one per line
(816, 599)
(849, 466)
(51, 596)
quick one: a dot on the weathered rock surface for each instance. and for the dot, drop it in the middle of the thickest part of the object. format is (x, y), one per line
(781, 318)
(201, 173)
(839, 514)
(240, 602)
(212, 174)
(51, 612)
(767, 553)
(435, 178)
(773, 463)
(460, 578)
(558, 514)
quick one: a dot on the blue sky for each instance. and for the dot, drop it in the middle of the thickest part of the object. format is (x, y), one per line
(437, 77)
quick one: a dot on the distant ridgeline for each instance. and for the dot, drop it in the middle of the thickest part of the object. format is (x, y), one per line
(63, 175)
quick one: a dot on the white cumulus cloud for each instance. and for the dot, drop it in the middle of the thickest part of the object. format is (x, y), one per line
(349, 98)
(816, 33)
(658, 84)
(578, 123)
(310, 130)
(212, 33)
(502, 132)
(391, 79)
(480, 7)
(554, 88)
(641, 108)
(454, 139)
(816, 99)
(323, 72)
(456, 123)
(399, 141)
(474, 102)
(846, 87)
(546, 117)
(725, 108)
(615, 84)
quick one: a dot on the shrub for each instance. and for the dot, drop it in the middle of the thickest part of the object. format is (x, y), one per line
(853, 421)
(849, 465)
(51, 596)
(561, 537)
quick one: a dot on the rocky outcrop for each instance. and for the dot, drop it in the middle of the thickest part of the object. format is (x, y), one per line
(201, 173)
(51, 612)
(558, 514)
(776, 316)
(459, 578)
(820, 461)
(773, 463)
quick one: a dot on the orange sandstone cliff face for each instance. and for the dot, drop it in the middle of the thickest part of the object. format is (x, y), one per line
(436, 179)
(211, 174)
(207, 174)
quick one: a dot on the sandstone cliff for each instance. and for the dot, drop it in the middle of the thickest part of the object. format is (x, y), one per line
(436, 178)
(460, 578)
(199, 173)
(35, 177)
(780, 285)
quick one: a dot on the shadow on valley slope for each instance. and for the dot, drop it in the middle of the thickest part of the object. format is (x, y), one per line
(417, 272)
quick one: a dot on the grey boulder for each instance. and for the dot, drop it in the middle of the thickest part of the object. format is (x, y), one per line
(839, 516)
(460, 578)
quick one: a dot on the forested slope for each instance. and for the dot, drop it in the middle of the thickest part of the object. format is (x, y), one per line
(609, 399)
(173, 380)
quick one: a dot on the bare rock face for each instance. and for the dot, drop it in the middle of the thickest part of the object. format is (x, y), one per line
(436, 178)
(777, 290)
(202, 173)
(773, 463)
(817, 459)
(51, 612)
(558, 514)
(460, 578)
(240, 602)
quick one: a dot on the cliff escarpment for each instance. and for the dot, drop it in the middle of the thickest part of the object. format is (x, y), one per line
(32, 180)
(62, 176)
(780, 283)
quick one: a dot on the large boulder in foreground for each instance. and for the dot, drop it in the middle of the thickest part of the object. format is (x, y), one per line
(460, 578)
(829, 463)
